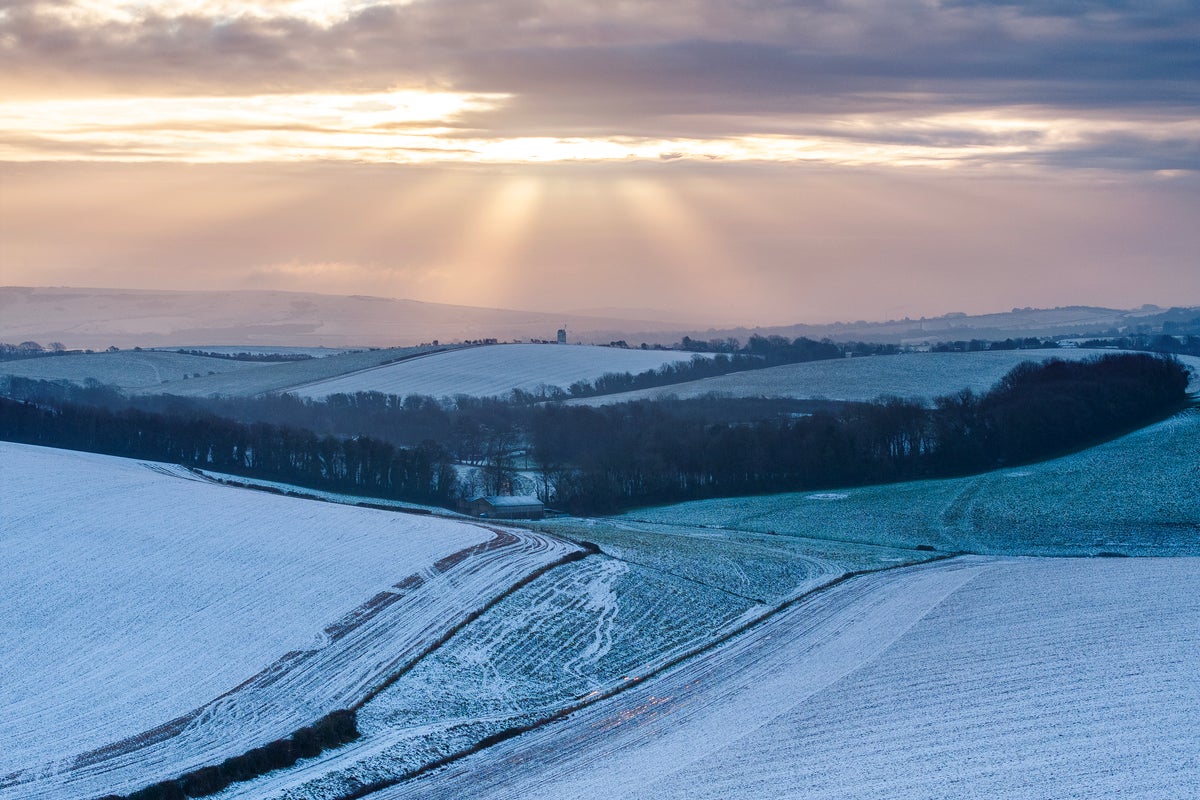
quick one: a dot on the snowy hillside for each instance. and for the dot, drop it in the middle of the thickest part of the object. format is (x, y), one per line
(1134, 495)
(128, 369)
(136, 597)
(917, 375)
(970, 678)
(495, 370)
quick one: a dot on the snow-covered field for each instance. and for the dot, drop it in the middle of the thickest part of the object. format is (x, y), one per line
(1135, 495)
(284, 376)
(128, 369)
(151, 624)
(974, 677)
(496, 370)
(923, 376)
(584, 630)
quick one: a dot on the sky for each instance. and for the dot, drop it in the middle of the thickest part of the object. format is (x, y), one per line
(722, 161)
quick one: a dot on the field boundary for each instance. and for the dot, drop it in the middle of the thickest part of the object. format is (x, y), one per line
(516, 730)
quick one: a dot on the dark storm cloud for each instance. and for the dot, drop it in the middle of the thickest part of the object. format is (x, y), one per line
(701, 69)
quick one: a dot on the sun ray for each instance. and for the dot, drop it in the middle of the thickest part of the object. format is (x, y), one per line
(482, 264)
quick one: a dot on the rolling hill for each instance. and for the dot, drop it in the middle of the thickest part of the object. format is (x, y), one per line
(156, 622)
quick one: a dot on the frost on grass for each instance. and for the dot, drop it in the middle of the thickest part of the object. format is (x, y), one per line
(583, 629)
(1134, 495)
(973, 678)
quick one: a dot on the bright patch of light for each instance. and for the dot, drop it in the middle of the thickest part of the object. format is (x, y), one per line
(418, 126)
(321, 12)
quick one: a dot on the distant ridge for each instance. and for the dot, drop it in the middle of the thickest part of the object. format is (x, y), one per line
(1080, 321)
(98, 318)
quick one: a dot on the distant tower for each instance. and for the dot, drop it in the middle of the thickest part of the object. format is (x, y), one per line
(562, 335)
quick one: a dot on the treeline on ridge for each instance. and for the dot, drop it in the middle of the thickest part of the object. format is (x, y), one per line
(596, 460)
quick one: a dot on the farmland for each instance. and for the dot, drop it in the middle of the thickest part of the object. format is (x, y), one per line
(1131, 495)
(236, 622)
(743, 647)
(126, 369)
(184, 374)
(923, 376)
(495, 370)
(585, 630)
(1041, 665)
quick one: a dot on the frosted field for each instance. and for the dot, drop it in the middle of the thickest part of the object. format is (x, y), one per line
(923, 376)
(577, 633)
(1135, 495)
(495, 370)
(135, 597)
(287, 375)
(128, 369)
(233, 350)
(969, 678)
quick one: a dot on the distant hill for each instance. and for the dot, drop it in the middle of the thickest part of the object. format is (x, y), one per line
(98, 318)
(1018, 323)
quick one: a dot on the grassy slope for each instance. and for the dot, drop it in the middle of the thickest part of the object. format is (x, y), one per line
(917, 375)
(1134, 495)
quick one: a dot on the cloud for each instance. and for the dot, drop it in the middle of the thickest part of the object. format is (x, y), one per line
(658, 70)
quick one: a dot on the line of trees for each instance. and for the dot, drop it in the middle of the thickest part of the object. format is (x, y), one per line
(635, 454)
(333, 730)
(595, 460)
(356, 465)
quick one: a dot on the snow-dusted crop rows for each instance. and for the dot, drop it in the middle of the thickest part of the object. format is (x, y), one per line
(138, 600)
(583, 630)
(1135, 495)
(973, 677)
(923, 376)
(495, 370)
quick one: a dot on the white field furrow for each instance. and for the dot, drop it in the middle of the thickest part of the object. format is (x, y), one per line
(576, 633)
(715, 695)
(971, 678)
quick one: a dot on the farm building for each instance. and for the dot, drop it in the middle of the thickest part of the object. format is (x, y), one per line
(506, 507)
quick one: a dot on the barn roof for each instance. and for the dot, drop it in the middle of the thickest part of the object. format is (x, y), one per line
(508, 501)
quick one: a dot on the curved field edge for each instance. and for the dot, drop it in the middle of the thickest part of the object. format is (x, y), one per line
(363, 652)
(545, 653)
(349, 659)
(971, 677)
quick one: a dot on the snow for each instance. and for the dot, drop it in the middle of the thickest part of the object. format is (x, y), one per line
(284, 376)
(922, 376)
(128, 369)
(135, 597)
(1133, 495)
(974, 677)
(496, 370)
(656, 593)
